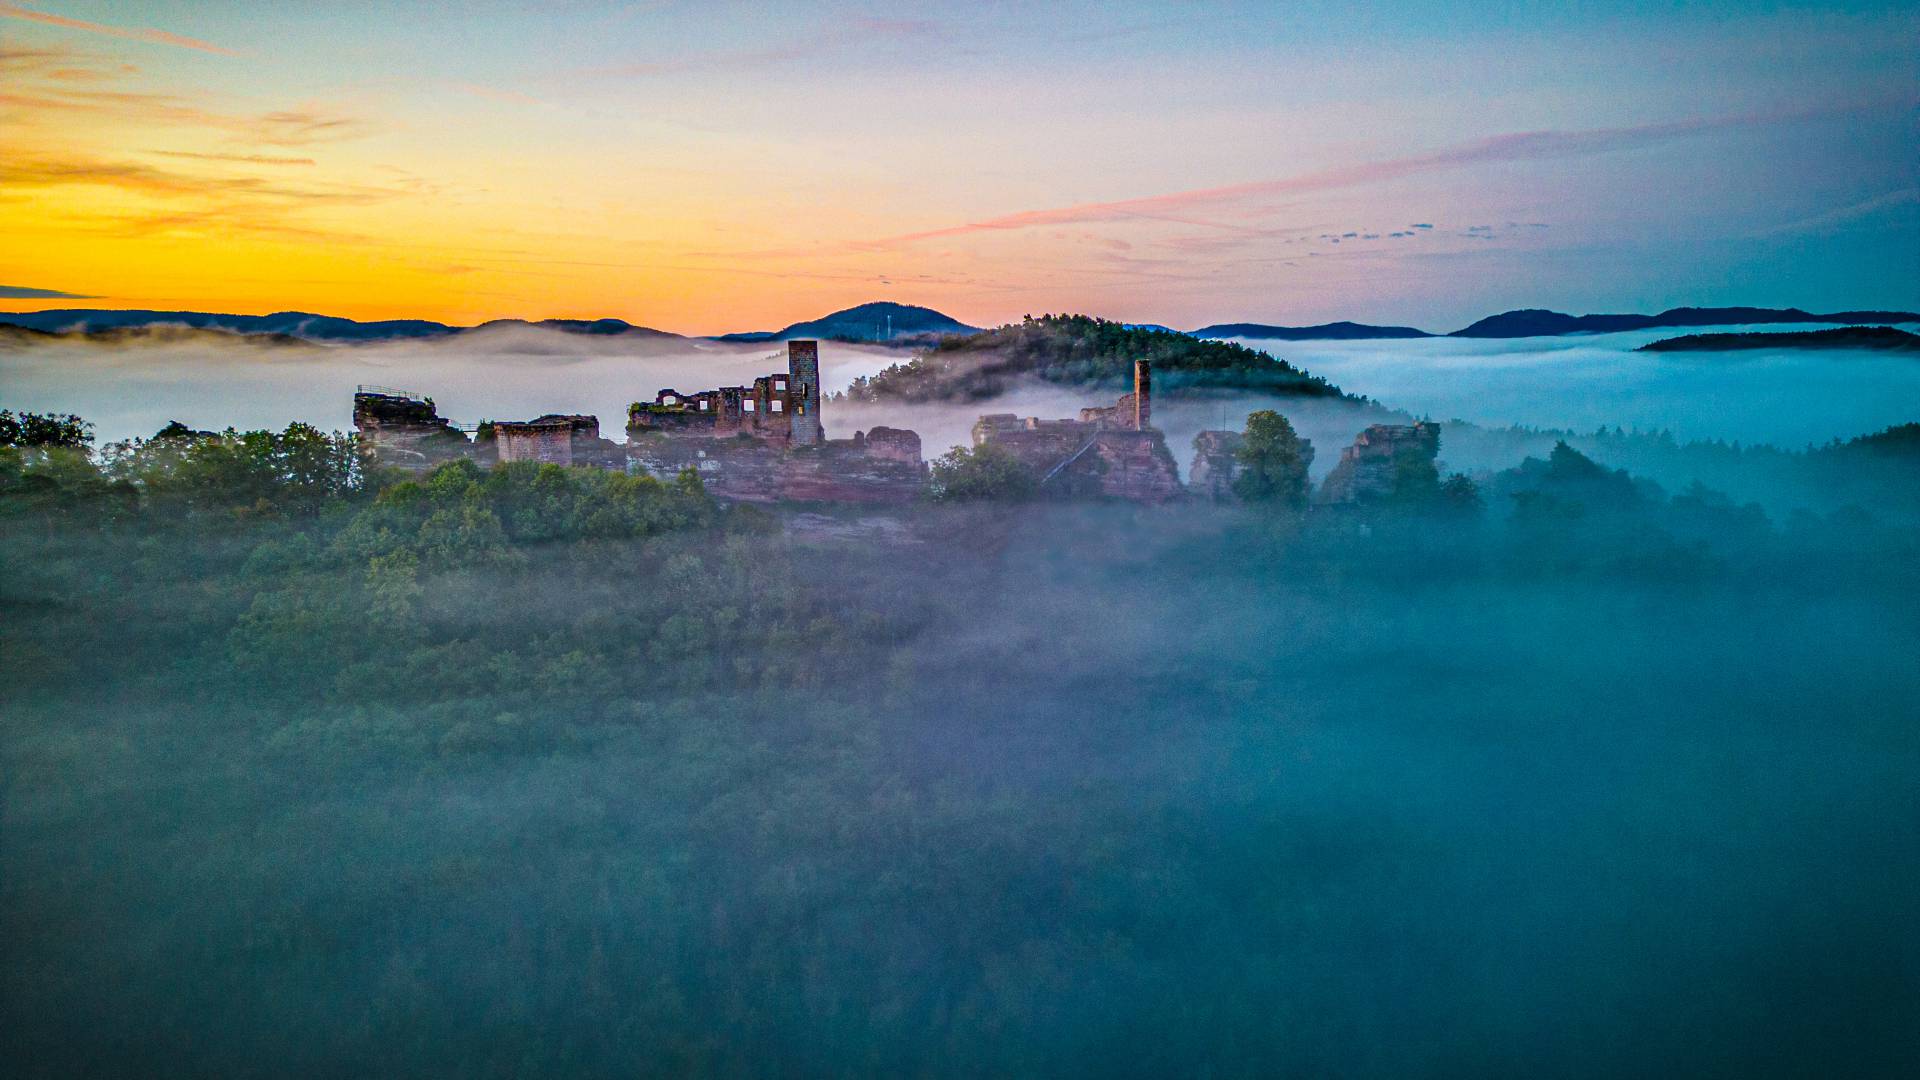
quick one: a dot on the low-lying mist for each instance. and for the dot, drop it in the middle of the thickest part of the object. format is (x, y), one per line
(1787, 398)
(1025, 791)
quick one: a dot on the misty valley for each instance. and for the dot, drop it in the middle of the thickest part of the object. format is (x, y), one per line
(839, 539)
(1344, 743)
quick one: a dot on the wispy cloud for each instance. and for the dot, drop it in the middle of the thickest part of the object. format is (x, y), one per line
(21, 292)
(243, 159)
(178, 201)
(156, 37)
(1846, 215)
(302, 126)
(1511, 147)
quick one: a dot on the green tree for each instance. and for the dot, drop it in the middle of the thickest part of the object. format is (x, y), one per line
(982, 473)
(1460, 495)
(1274, 461)
(65, 431)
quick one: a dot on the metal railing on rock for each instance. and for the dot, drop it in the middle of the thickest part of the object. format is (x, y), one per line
(389, 391)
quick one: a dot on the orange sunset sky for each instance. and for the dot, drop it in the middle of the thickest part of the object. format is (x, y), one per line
(704, 168)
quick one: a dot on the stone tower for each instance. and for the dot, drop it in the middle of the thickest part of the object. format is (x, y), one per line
(1142, 395)
(803, 390)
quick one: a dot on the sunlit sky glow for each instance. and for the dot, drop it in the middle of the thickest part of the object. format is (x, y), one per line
(705, 167)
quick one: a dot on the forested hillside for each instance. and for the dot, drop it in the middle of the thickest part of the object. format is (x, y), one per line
(1076, 350)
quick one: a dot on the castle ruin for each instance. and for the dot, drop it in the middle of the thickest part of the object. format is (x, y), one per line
(766, 442)
(782, 409)
(1111, 451)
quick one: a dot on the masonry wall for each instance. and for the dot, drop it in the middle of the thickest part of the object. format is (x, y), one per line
(548, 444)
(864, 469)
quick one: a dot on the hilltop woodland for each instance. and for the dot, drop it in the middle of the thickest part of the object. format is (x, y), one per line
(1077, 350)
(315, 769)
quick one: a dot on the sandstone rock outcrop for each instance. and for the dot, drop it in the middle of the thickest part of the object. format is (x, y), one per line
(403, 430)
(1370, 469)
(1216, 463)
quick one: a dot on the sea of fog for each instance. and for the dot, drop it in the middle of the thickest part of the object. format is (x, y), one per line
(1786, 397)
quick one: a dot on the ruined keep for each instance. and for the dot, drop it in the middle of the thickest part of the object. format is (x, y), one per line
(767, 443)
(1111, 451)
(401, 429)
(1370, 468)
(1216, 465)
(782, 408)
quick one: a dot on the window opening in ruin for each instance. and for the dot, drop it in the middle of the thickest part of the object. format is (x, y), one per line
(776, 405)
(747, 404)
(703, 406)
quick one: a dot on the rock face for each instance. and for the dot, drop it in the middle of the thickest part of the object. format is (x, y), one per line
(1216, 464)
(880, 466)
(402, 430)
(1370, 468)
(1111, 451)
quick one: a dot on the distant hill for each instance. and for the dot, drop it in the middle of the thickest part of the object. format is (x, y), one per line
(299, 324)
(1535, 322)
(590, 327)
(1333, 331)
(156, 334)
(1881, 338)
(881, 321)
(293, 324)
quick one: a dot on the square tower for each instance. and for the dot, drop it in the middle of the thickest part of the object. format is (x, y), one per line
(1142, 395)
(803, 392)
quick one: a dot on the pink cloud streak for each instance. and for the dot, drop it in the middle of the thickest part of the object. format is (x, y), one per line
(1513, 146)
(158, 37)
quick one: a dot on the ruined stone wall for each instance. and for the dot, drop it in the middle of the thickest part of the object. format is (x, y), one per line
(1370, 468)
(1134, 411)
(1075, 459)
(899, 444)
(1136, 466)
(870, 468)
(1216, 464)
(549, 444)
(1112, 451)
(781, 409)
(557, 439)
(692, 423)
(1042, 444)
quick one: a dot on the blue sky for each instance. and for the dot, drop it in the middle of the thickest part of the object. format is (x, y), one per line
(706, 166)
